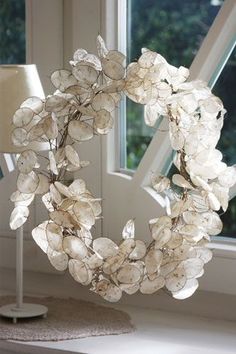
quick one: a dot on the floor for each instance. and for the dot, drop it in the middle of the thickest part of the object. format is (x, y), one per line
(157, 332)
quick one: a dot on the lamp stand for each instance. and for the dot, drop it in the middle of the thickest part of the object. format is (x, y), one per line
(20, 309)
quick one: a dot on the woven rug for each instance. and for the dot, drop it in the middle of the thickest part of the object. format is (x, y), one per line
(67, 319)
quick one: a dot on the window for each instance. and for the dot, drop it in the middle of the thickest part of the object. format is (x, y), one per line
(130, 191)
(12, 48)
(176, 30)
(225, 89)
(12, 32)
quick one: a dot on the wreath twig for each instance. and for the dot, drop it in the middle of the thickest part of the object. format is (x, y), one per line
(82, 107)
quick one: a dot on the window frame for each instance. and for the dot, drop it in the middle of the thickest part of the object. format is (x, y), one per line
(135, 185)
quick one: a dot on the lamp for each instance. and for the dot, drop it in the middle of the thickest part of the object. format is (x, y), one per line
(17, 82)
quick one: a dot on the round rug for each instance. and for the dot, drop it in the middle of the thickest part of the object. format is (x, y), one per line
(66, 319)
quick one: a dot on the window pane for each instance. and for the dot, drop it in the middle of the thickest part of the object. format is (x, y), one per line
(225, 89)
(175, 29)
(12, 34)
(12, 31)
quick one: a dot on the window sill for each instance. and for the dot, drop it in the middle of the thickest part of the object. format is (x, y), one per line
(160, 331)
(223, 247)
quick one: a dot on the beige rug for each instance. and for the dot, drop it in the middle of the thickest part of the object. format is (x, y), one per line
(67, 319)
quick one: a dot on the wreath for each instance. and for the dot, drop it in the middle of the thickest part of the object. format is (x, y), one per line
(81, 107)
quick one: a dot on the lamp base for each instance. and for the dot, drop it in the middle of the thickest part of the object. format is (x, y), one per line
(25, 311)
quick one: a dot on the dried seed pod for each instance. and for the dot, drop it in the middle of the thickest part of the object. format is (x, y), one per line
(129, 289)
(113, 293)
(74, 247)
(22, 117)
(85, 74)
(40, 236)
(50, 128)
(52, 163)
(168, 268)
(113, 263)
(129, 274)
(103, 101)
(151, 114)
(175, 241)
(64, 190)
(139, 250)
(55, 195)
(84, 214)
(96, 207)
(62, 218)
(27, 161)
(181, 181)
(192, 233)
(58, 260)
(179, 207)
(34, 103)
(62, 79)
(105, 247)
(128, 230)
(54, 236)
(211, 221)
(47, 201)
(113, 69)
(192, 267)
(163, 238)
(127, 246)
(176, 280)
(19, 137)
(43, 185)
(205, 254)
(103, 122)
(94, 261)
(18, 197)
(72, 155)
(55, 103)
(160, 183)
(153, 261)
(164, 222)
(18, 216)
(85, 235)
(36, 132)
(77, 187)
(189, 288)
(80, 271)
(27, 183)
(151, 286)
(80, 131)
(101, 47)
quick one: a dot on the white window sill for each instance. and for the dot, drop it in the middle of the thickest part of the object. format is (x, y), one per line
(157, 332)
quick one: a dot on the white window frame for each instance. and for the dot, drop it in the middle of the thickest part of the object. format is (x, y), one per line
(128, 195)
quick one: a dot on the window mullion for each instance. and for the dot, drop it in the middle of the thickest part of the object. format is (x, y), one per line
(217, 44)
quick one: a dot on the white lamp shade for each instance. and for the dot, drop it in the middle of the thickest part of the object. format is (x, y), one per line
(17, 82)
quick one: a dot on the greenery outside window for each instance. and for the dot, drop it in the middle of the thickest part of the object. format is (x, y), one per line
(176, 30)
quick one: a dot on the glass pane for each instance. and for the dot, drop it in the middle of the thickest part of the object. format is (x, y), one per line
(225, 89)
(175, 29)
(12, 34)
(12, 31)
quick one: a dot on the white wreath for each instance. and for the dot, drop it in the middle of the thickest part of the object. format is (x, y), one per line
(82, 107)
